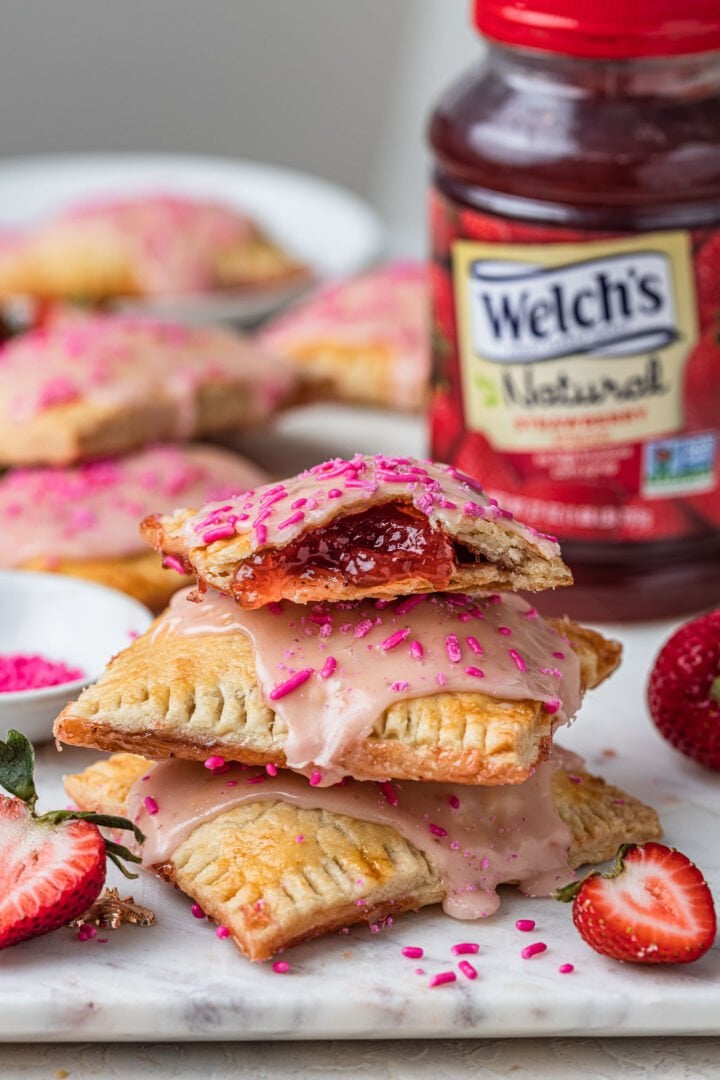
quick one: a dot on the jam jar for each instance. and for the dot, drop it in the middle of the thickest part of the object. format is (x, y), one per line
(575, 220)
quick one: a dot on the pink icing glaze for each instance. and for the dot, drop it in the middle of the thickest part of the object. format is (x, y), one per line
(327, 715)
(450, 499)
(94, 510)
(112, 361)
(171, 241)
(386, 307)
(22, 671)
(503, 834)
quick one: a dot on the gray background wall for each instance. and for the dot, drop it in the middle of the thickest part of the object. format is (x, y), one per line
(340, 88)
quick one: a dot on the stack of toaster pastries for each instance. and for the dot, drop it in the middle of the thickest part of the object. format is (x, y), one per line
(352, 714)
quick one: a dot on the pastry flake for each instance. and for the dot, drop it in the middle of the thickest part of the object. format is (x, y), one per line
(148, 245)
(189, 688)
(95, 387)
(276, 872)
(369, 527)
(365, 340)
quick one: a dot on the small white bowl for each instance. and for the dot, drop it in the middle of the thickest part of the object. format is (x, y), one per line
(64, 619)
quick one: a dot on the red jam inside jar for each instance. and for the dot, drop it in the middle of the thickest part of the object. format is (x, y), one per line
(377, 547)
(575, 216)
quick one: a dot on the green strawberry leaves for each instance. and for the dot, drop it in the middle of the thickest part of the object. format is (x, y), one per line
(568, 892)
(17, 765)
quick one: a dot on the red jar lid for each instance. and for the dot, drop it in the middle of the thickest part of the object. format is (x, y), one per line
(609, 29)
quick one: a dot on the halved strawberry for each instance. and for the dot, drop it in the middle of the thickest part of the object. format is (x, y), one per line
(653, 907)
(52, 867)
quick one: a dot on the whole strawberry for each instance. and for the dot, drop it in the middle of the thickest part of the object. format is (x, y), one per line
(653, 907)
(52, 866)
(684, 690)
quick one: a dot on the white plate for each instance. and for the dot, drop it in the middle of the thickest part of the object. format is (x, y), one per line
(330, 229)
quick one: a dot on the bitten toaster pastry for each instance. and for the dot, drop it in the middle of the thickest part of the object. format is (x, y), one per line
(145, 245)
(83, 521)
(365, 340)
(368, 527)
(278, 861)
(93, 387)
(426, 688)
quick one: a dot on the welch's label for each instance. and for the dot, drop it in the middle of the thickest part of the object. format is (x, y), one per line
(574, 344)
(617, 306)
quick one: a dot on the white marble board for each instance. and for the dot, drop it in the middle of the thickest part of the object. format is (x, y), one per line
(178, 981)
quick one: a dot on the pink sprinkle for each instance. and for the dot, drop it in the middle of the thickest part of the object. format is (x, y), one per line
(390, 792)
(441, 678)
(467, 969)
(275, 607)
(559, 655)
(419, 971)
(531, 613)
(298, 504)
(334, 493)
(452, 648)
(363, 628)
(442, 977)
(290, 684)
(150, 805)
(519, 662)
(475, 672)
(257, 779)
(315, 778)
(294, 519)
(505, 631)
(465, 947)
(552, 705)
(271, 770)
(525, 925)
(214, 762)
(454, 802)
(565, 969)
(197, 912)
(299, 838)
(260, 534)
(437, 830)
(328, 667)
(281, 967)
(413, 952)
(475, 645)
(231, 783)
(219, 532)
(395, 639)
(102, 940)
(533, 950)
(399, 685)
(575, 779)
(222, 931)
(416, 650)
(171, 562)
(22, 671)
(411, 602)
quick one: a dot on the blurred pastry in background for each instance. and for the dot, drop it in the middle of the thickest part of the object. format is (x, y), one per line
(143, 246)
(84, 521)
(98, 386)
(365, 340)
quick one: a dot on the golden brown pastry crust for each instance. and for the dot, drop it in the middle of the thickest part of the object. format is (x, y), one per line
(78, 267)
(141, 576)
(247, 871)
(188, 697)
(86, 429)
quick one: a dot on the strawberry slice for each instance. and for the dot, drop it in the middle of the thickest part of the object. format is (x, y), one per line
(653, 907)
(52, 867)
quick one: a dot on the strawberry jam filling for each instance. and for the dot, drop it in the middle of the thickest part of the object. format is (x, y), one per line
(380, 546)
